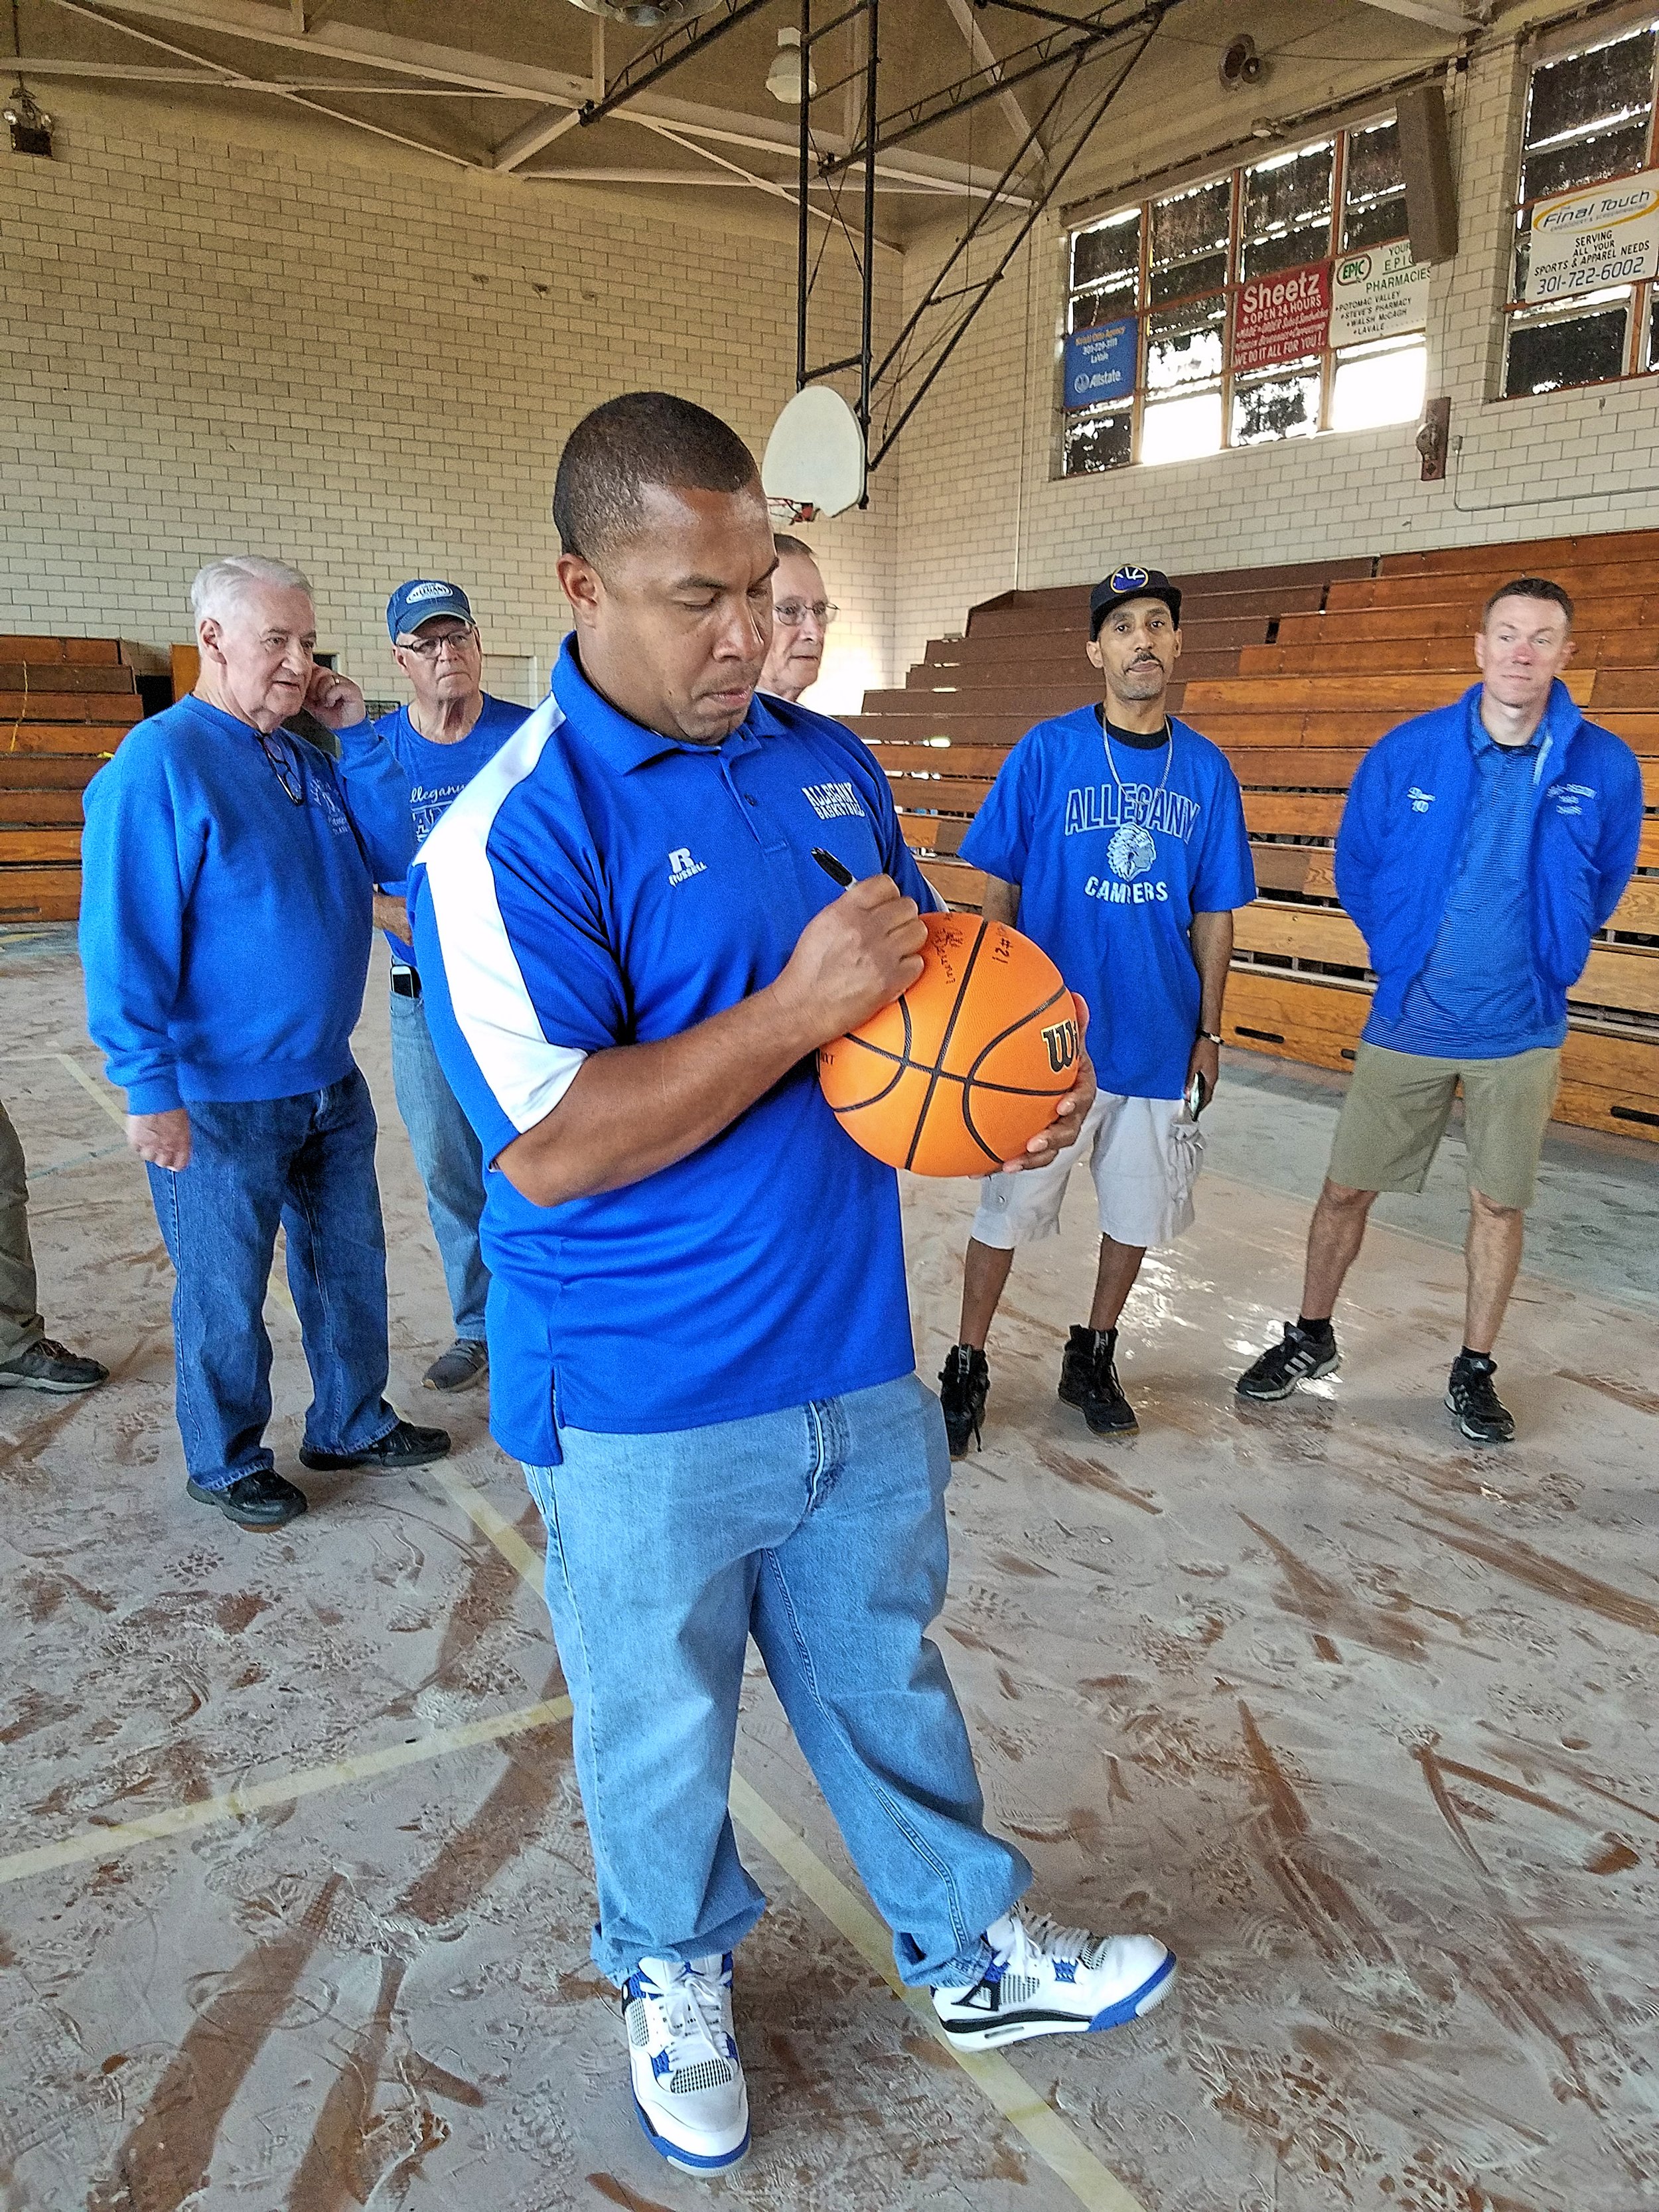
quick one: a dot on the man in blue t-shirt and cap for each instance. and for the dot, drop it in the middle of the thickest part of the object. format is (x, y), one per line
(1115, 835)
(450, 730)
(633, 946)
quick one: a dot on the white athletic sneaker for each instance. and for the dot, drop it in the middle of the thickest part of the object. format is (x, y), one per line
(1046, 1980)
(687, 2082)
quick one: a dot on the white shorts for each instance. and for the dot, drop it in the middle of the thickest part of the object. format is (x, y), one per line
(1145, 1155)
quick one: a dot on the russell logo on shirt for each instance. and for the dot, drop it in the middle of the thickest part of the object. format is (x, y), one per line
(682, 867)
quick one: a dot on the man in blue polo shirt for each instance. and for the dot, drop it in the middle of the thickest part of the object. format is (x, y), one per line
(451, 729)
(1116, 836)
(699, 1330)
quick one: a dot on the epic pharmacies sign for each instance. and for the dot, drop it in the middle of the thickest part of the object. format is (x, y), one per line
(1282, 318)
(1378, 293)
(1605, 235)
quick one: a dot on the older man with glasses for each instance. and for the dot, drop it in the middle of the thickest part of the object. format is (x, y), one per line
(229, 867)
(801, 616)
(450, 730)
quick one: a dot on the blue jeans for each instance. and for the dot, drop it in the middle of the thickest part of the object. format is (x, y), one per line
(450, 1159)
(821, 1532)
(308, 1163)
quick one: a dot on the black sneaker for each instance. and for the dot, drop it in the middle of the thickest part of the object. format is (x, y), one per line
(403, 1445)
(259, 1500)
(1298, 1359)
(1088, 1379)
(46, 1365)
(964, 1384)
(466, 1362)
(1481, 1414)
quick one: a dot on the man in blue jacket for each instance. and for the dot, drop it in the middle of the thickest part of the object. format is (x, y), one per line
(700, 1337)
(1481, 849)
(228, 869)
(451, 729)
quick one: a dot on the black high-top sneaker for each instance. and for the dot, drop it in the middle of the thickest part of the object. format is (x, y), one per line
(1481, 1414)
(964, 1384)
(1088, 1379)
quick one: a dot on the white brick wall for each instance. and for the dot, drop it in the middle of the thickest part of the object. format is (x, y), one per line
(364, 367)
(974, 522)
(213, 342)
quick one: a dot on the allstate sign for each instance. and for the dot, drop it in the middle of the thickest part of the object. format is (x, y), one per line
(1101, 364)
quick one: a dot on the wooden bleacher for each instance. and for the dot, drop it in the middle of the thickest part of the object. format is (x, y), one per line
(1295, 672)
(65, 704)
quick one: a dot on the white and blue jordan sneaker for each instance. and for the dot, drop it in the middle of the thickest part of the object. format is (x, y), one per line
(1045, 1980)
(689, 2088)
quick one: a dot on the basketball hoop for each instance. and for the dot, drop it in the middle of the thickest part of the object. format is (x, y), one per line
(814, 465)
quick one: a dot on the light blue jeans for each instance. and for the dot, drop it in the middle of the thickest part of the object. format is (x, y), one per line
(821, 1532)
(308, 1163)
(450, 1159)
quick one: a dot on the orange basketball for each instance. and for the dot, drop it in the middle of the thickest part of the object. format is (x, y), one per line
(960, 1072)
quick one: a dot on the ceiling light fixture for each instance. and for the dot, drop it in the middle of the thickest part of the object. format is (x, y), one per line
(27, 121)
(783, 79)
(646, 15)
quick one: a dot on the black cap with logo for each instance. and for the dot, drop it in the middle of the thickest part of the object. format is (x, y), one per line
(1132, 583)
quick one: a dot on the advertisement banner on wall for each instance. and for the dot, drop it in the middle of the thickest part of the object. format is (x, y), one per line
(1100, 364)
(1282, 318)
(1603, 234)
(1378, 294)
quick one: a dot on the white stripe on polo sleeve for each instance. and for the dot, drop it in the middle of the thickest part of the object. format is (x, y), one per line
(492, 1007)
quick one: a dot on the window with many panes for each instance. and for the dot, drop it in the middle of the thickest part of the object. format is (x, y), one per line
(1590, 120)
(1167, 282)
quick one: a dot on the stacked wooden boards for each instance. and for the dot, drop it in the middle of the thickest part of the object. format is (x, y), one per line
(1295, 672)
(65, 704)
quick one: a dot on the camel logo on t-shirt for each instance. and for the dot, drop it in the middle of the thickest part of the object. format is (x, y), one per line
(1132, 852)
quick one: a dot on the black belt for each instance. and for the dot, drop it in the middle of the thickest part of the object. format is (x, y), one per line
(405, 983)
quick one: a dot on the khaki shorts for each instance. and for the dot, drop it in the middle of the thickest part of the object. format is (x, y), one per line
(1397, 1109)
(1143, 1154)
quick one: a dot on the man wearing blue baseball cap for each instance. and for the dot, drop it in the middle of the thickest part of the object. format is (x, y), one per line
(1115, 836)
(451, 729)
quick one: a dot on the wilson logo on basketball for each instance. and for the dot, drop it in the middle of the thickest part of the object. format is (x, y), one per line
(1062, 1042)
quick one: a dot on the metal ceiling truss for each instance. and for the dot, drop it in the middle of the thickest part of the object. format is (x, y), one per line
(1123, 27)
(436, 71)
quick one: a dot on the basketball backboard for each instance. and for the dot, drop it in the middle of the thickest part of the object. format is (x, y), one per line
(815, 463)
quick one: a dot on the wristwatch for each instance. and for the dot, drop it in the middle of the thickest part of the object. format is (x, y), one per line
(1210, 1036)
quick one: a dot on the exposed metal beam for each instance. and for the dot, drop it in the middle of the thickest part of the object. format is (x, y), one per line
(1447, 16)
(273, 26)
(981, 48)
(462, 72)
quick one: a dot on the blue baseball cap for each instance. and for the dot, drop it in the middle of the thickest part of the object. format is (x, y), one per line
(419, 600)
(1131, 582)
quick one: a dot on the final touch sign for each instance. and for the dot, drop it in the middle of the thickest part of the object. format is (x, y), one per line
(1603, 235)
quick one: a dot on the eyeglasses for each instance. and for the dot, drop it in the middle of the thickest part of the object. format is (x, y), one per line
(792, 613)
(284, 771)
(428, 648)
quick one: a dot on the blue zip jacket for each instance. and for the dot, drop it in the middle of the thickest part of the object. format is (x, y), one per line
(1407, 816)
(225, 931)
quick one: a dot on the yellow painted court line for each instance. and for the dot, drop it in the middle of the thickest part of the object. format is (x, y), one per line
(526, 1563)
(1057, 2144)
(281, 1790)
(92, 1090)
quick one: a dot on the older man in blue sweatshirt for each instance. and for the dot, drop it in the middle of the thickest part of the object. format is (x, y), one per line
(1481, 847)
(229, 867)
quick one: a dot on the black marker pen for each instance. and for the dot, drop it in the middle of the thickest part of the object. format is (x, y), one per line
(838, 872)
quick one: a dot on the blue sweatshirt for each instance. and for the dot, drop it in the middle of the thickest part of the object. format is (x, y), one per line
(225, 930)
(1401, 847)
